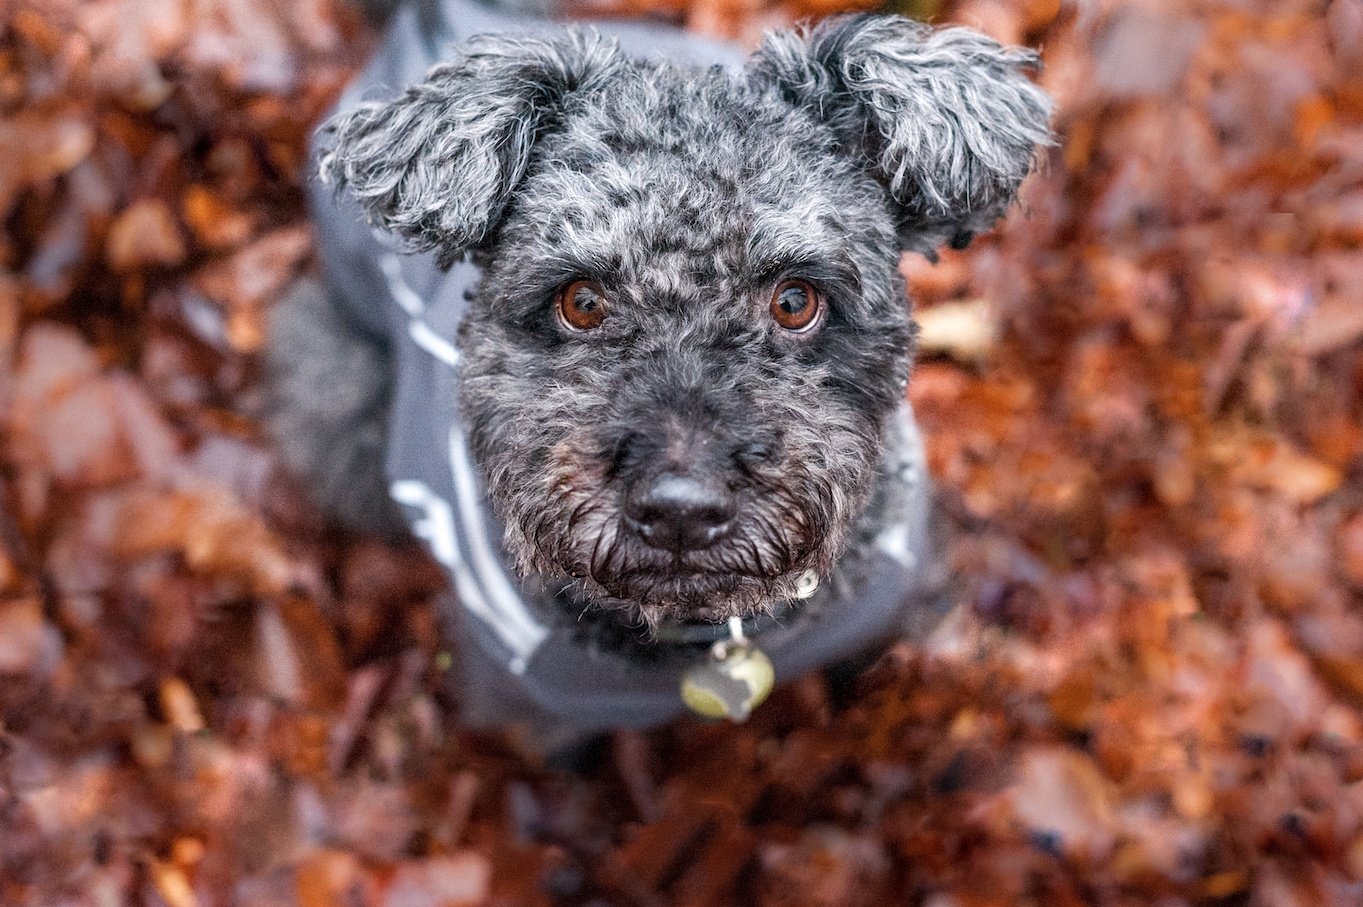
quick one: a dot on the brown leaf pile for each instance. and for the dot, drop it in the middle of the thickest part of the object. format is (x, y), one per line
(1143, 402)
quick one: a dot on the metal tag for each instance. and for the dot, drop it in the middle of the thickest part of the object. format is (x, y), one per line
(735, 679)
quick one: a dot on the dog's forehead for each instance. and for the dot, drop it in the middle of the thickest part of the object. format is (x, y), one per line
(643, 211)
(702, 173)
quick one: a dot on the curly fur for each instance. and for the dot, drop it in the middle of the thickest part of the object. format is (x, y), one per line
(688, 195)
(438, 165)
(946, 117)
(328, 407)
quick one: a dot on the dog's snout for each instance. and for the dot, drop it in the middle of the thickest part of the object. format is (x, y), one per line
(680, 513)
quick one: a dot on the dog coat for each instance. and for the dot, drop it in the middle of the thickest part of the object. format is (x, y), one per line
(522, 653)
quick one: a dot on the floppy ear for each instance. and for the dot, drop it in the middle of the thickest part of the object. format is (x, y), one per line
(437, 165)
(945, 119)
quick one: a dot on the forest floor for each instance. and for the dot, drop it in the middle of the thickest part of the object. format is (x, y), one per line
(1142, 399)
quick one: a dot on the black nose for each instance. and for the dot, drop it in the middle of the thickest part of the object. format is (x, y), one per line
(680, 513)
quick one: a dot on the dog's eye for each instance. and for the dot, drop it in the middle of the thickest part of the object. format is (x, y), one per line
(582, 305)
(795, 305)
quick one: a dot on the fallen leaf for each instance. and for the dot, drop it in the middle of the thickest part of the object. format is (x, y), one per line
(463, 878)
(965, 330)
(1062, 793)
(144, 235)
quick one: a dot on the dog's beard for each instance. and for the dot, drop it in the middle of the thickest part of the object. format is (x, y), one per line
(745, 573)
(578, 530)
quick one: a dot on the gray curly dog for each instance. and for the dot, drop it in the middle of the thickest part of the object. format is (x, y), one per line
(613, 321)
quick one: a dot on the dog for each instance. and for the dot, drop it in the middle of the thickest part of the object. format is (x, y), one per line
(612, 320)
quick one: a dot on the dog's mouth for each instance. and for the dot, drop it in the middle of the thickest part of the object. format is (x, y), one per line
(681, 553)
(691, 595)
(686, 543)
(739, 577)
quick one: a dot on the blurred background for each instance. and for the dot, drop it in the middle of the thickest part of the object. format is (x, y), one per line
(1142, 399)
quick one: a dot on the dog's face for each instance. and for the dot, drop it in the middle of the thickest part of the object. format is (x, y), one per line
(690, 331)
(691, 328)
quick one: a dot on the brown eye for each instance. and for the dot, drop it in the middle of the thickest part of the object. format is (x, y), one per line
(582, 305)
(795, 305)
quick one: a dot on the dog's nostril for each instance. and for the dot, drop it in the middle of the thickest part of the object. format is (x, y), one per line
(681, 513)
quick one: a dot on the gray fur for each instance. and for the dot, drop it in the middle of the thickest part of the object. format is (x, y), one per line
(328, 407)
(688, 199)
(688, 194)
(945, 118)
(438, 165)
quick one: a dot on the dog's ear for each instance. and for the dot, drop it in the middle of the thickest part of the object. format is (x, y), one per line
(946, 119)
(438, 164)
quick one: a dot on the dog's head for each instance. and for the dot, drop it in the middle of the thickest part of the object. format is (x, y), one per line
(691, 328)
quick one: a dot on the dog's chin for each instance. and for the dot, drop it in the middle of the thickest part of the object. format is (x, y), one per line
(756, 567)
(656, 596)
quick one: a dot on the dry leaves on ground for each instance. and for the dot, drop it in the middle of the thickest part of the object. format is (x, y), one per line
(1142, 398)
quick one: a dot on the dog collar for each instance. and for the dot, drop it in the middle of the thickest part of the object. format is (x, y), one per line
(707, 633)
(724, 674)
(671, 637)
(698, 632)
(731, 676)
